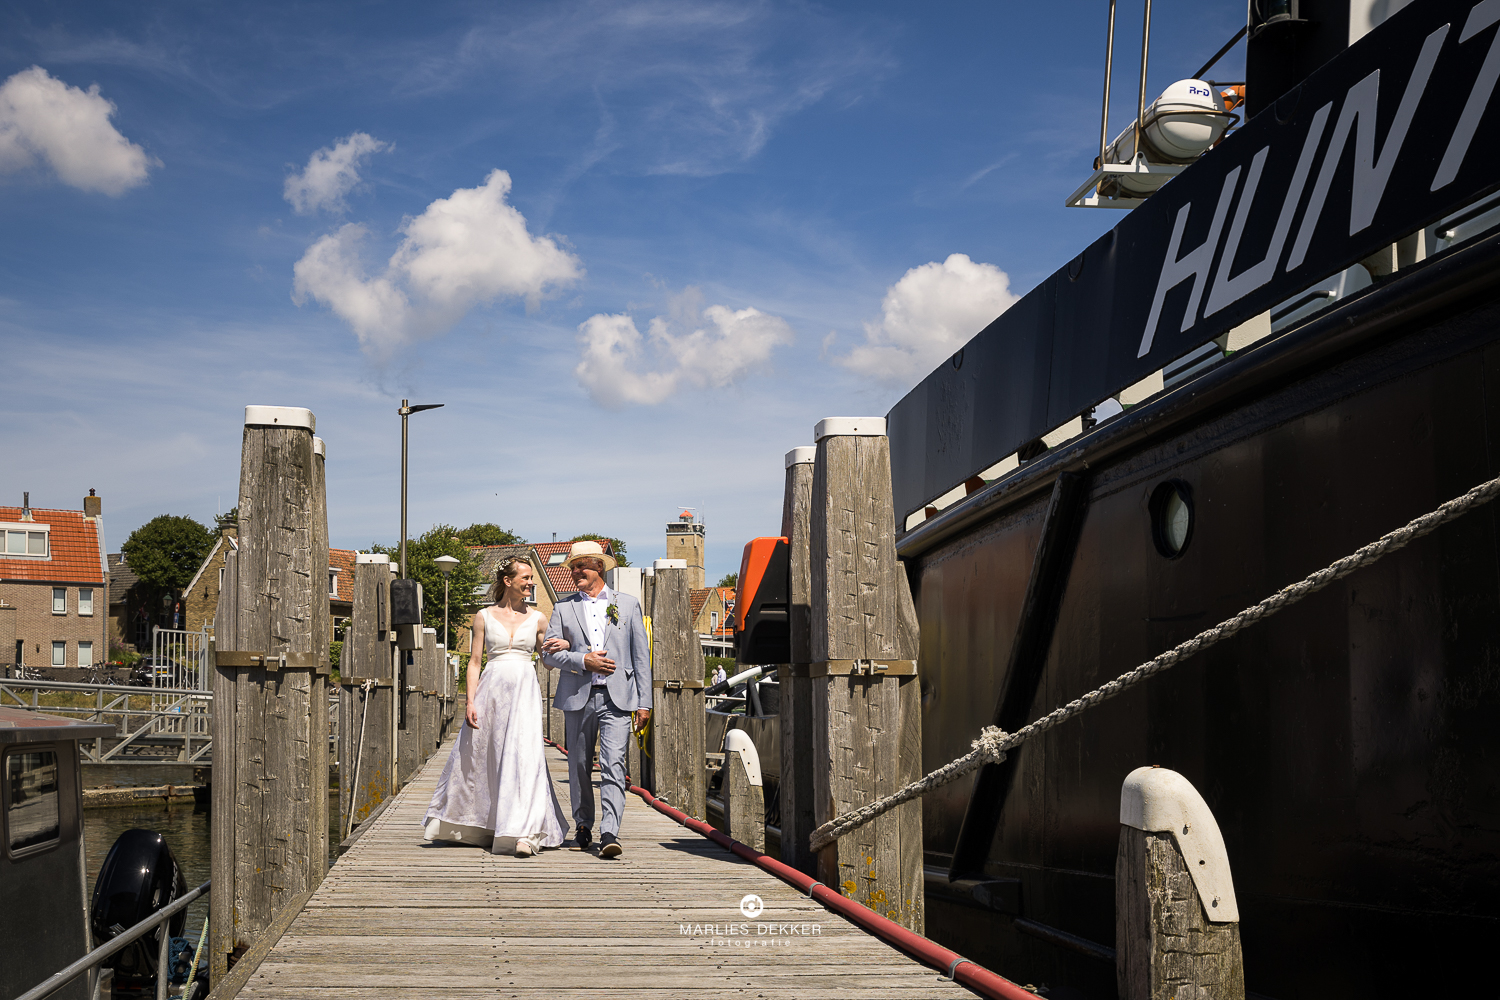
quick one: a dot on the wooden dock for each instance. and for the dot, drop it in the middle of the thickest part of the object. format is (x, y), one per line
(398, 917)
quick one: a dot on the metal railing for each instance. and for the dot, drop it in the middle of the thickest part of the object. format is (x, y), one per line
(135, 712)
(117, 944)
(143, 717)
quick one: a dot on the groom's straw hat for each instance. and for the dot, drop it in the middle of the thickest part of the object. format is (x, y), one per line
(592, 550)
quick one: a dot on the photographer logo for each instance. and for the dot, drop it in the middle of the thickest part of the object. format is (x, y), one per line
(751, 906)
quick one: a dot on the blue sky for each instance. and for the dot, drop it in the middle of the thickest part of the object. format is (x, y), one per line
(722, 223)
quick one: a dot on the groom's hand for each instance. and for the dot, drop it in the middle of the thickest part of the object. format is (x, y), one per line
(641, 715)
(599, 663)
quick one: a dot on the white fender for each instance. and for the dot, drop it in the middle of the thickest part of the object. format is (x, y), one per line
(1157, 800)
(738, 741)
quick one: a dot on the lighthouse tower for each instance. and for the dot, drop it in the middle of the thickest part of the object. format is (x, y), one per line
(685, 541)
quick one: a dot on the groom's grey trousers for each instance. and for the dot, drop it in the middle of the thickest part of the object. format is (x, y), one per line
(599, 718)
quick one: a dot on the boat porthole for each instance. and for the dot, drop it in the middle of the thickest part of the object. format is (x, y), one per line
(1172, 517)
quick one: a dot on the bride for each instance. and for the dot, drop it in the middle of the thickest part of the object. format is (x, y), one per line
(495, 789)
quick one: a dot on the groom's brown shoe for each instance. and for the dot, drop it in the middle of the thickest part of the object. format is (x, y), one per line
(583, 838)
(609, 846)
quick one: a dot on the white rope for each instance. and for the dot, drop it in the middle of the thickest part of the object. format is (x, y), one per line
(993, 744)
(359, 754)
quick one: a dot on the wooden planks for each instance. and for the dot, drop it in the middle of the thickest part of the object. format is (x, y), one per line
(399, 918)
(270, 841)
(795, 717)
(677, 721)
(866, 734)
(367, 719)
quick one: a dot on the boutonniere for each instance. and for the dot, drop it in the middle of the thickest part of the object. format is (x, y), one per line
(613, 614)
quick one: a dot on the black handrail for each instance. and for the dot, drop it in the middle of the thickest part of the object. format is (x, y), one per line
(115, 944)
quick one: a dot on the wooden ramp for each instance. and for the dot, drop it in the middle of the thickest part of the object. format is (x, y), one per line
(397, 917)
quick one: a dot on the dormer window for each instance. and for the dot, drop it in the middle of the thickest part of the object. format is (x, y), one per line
(28, 542)
(333, 582)
(556, 558)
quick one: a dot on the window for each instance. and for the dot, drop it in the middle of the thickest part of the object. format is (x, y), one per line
(59, 654)
(85, 600)
(31, 799)
(29, 541)
(59, 600)
(556, 559)
(713, 618)
(86, 654)
(221, 577)
(333, 582)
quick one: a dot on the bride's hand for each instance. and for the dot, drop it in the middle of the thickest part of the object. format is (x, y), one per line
(471, 715)
(556, 644)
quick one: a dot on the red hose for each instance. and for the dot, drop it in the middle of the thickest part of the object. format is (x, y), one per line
(961, 970)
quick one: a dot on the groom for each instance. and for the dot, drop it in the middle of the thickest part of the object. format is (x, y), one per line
(605, 684)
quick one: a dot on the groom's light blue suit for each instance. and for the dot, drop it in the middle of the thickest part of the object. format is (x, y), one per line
(599, 711)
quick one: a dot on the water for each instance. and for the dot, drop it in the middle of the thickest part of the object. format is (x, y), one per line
(186, 830)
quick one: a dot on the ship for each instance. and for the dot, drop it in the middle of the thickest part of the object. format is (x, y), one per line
(1286, 348)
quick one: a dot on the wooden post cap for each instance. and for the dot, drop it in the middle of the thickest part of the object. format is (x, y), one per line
(849, 427)
(738, 741)
(805, 455)
(319, 448)
(1157, 800)
(280, 416)
(365, 558)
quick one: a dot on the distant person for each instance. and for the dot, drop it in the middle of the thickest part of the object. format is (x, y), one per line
(495, 790)
(719, 675)
(597, 639)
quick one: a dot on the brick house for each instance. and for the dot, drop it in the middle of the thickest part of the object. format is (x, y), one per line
(53, 572)
(554, 580)
(544, 594)
(200, 598)
(713, 618)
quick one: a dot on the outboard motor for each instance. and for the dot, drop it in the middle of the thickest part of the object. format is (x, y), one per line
(139, 877)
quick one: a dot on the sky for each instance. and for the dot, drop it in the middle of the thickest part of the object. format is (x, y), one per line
(636, 249)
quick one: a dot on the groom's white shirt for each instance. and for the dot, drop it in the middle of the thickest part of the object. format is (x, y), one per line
(594, 612)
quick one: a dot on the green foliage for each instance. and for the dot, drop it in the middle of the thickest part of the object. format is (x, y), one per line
(440, 540)
(729, 580)
(167, 550)
(335, 651)
(712, 662)
(489, 534)
(615, 546)
(121, 657)
(228, 519)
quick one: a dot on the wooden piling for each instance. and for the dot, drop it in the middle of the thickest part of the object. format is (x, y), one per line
(427, 686)
(677, 722)
(744, 798)
(795, 717)
(409, 714)
(367, 701)
(866, 721)
(1177, 929)
(270, 719)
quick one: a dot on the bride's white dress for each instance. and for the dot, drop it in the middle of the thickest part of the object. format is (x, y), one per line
(495, 788)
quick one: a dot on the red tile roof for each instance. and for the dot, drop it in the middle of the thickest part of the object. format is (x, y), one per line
(343, 561)
(560, 576)
(74, 544)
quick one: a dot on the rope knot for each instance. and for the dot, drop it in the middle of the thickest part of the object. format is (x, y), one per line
(990, 744)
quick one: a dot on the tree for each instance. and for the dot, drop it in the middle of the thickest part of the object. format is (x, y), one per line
(488, 534)
(616, 547)
(440, 540)
(729, 580)
(166, 551)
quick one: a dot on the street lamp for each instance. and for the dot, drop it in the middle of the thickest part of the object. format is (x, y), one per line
(446, 564)
(405, 411)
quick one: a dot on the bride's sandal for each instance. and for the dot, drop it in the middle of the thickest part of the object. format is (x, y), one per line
(524, 848)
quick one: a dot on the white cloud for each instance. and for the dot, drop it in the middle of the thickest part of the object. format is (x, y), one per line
(731, 344)
(465, 250)
(928, 315)
(68, 129)
(330, 174)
